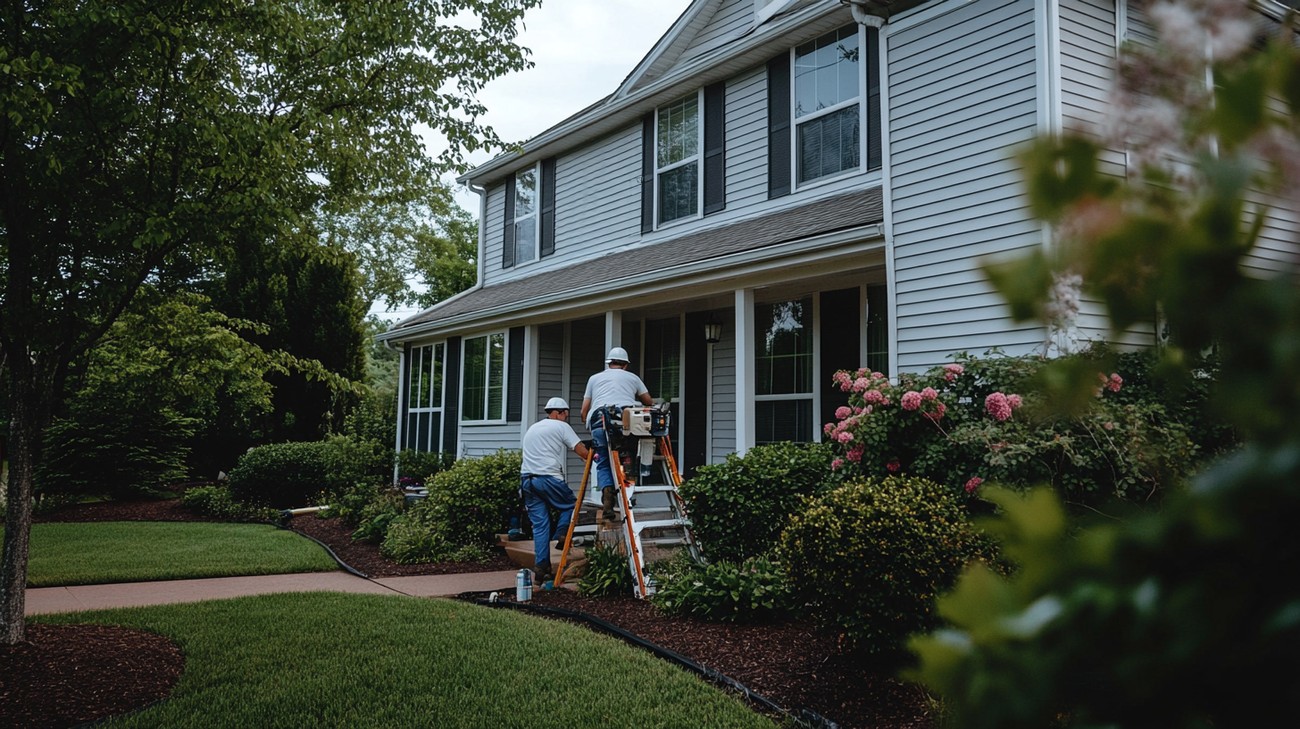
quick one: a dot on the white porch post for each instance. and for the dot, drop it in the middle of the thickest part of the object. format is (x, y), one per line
(528, 401)
(613, 330)
(744, 370)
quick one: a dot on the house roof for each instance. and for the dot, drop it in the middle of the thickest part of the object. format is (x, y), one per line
(821, 217)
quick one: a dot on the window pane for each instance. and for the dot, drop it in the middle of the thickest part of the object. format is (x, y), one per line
(526, 192)
(475, 387)
(678, 133)
(413, 388)
(783, 420)
(877, 329)
(435, 395)
(826, 71)
(678, 193)
(829, 144)
(496, 376)
(663, 357)
(783, 347)
(525, 240)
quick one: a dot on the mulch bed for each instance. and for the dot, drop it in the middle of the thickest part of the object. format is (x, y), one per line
(796, 665)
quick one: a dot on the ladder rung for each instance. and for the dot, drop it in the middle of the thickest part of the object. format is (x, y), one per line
(659, 523)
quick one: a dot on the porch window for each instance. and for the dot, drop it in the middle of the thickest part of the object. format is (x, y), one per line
(483, 390)
(424, 385)
(828, 83)
(663, 358)
(783, 369)
(677, 159)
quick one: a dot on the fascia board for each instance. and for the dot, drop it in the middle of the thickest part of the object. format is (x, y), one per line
(675, 36)
(666, 281)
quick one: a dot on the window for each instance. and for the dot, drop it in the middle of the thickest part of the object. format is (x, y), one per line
(424, 372)
(483, 385)
(526, 215)
(823, 109)
(783, 370)
(878, 329)
(827, 104)
(663, 358)
(677, 159)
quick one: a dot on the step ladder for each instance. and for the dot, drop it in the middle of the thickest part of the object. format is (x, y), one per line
(654, 522)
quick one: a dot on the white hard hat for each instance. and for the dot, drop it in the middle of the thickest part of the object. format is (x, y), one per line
(556, 403)
(617, 354)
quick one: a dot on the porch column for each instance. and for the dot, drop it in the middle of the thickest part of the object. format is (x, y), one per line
(528, 397)
(745, 410)
(613, 331)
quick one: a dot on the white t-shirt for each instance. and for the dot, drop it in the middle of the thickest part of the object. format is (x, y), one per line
(546, 446)
(613, 387)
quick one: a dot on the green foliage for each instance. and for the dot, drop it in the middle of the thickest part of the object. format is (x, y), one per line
(754, 591)
(871, 556)
(739, 506)
(994, 419)
(290, 475)
(607, 572)
(102, 449)
(368, 507)
(467, 505)
(418, 468)
(216, 501)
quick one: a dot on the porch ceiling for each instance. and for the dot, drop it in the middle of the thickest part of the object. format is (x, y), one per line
(658, 263)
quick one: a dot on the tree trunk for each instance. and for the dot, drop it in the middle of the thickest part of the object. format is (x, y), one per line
(24, 433)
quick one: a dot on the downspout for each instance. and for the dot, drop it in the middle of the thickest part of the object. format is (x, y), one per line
(870, 13)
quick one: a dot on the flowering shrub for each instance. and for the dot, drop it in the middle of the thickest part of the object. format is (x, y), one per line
(983, 419)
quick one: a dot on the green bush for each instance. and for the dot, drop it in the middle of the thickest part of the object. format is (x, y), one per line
(289, 475)
(871, 556)
(607, 572)
(217, 502)
(738, 507)
(467, 506)
(417, 468)
(756, 590)
(368, 507)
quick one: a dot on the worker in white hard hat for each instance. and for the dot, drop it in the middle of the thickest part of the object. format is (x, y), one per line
(608, 392)
(541, 480)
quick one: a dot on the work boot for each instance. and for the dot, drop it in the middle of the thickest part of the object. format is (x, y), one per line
(541, 573)
(607, 503)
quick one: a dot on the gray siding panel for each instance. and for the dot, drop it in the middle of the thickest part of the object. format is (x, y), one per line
(747, 139)
(723, 416)
(1088, 55)
(732, 18)
(963, 97)
(477, 441)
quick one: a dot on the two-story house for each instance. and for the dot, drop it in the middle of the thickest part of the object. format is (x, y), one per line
(780, 189)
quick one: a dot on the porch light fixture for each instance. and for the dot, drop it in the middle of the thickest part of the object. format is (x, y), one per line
(713, 331)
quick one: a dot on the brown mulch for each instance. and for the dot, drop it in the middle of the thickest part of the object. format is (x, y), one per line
(795, 665)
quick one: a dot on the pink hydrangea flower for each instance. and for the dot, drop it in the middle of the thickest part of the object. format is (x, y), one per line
(971, 485)
(837, 464)
(911, 400)
(842, 379)
(1114, 382)
(951, 371)
(828, 428)
(843, 412)
(855, 453)
(893, 465)
(936, 414)
(873, 397)
(861, 384)
(844, 436)
(1014, 401)
(997, 406)
(877, 375)
(929, 393)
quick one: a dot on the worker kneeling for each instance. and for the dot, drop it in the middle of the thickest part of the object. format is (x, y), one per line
(541, 481)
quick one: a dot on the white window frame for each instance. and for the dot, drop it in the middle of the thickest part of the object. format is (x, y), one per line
(860, 102)
(535, 215)
(436, 411)
(813, 395)
(697, 159)
(487, 390)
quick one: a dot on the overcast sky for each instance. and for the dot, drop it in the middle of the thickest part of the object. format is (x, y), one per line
(581, 50)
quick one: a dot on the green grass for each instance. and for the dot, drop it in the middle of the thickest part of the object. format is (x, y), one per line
(138, 551)
(334, 660)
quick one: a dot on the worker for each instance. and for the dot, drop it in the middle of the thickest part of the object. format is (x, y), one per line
(541, 481)
(616, 388)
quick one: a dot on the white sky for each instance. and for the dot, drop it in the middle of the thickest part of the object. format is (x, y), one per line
(581, 51)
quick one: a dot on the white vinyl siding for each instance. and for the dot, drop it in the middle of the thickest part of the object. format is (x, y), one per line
(732, 18)
(477, 441)
(722, 395)
(963, 96)
(746, 112)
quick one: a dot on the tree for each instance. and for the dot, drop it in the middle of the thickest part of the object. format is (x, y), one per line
(139, 138)
(1179, 618)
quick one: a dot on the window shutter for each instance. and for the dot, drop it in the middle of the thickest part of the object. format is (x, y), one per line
(648, 173)
(515, 375)
(508, 235)
(715, 148)
(872, 67)
(778, 126)
(451, 398)
(548, 207)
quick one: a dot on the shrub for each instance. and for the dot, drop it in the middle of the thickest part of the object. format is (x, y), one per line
(738, 507)
(417, 468)
(607, 572)
(287, 475)
(871, 556)
(367, 507)
(467, 505)
(756, 590)
(217, 502)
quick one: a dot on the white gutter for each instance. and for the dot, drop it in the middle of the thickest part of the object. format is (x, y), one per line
(723, 270)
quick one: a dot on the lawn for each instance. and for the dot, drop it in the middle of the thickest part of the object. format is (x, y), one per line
(323, 659)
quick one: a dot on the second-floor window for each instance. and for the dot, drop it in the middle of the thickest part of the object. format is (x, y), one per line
(677, 159)
(827, 97)
(526, 227)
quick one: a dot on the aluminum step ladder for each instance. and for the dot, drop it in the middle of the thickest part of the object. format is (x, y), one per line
(654, 522)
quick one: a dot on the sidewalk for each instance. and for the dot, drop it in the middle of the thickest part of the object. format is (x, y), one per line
(42, 600)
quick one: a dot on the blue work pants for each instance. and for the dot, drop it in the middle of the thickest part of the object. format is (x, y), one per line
(541, 494)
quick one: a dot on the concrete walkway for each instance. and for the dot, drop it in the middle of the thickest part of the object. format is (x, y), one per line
(42, 600)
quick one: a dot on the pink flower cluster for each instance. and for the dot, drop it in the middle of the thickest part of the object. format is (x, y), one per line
(1000, 406)
(952, 371)
(973, 484)
(1114, 382)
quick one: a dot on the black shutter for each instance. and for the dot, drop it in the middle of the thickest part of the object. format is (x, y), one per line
(548, 207)
(508, 234)
(648, 173)
(451, 398)
(715, 148)
(695, 395)
(778, 126)
(515, 375)
(873, 98)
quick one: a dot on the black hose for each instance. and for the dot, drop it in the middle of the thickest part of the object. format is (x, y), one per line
(804, 717)
(346, 567)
